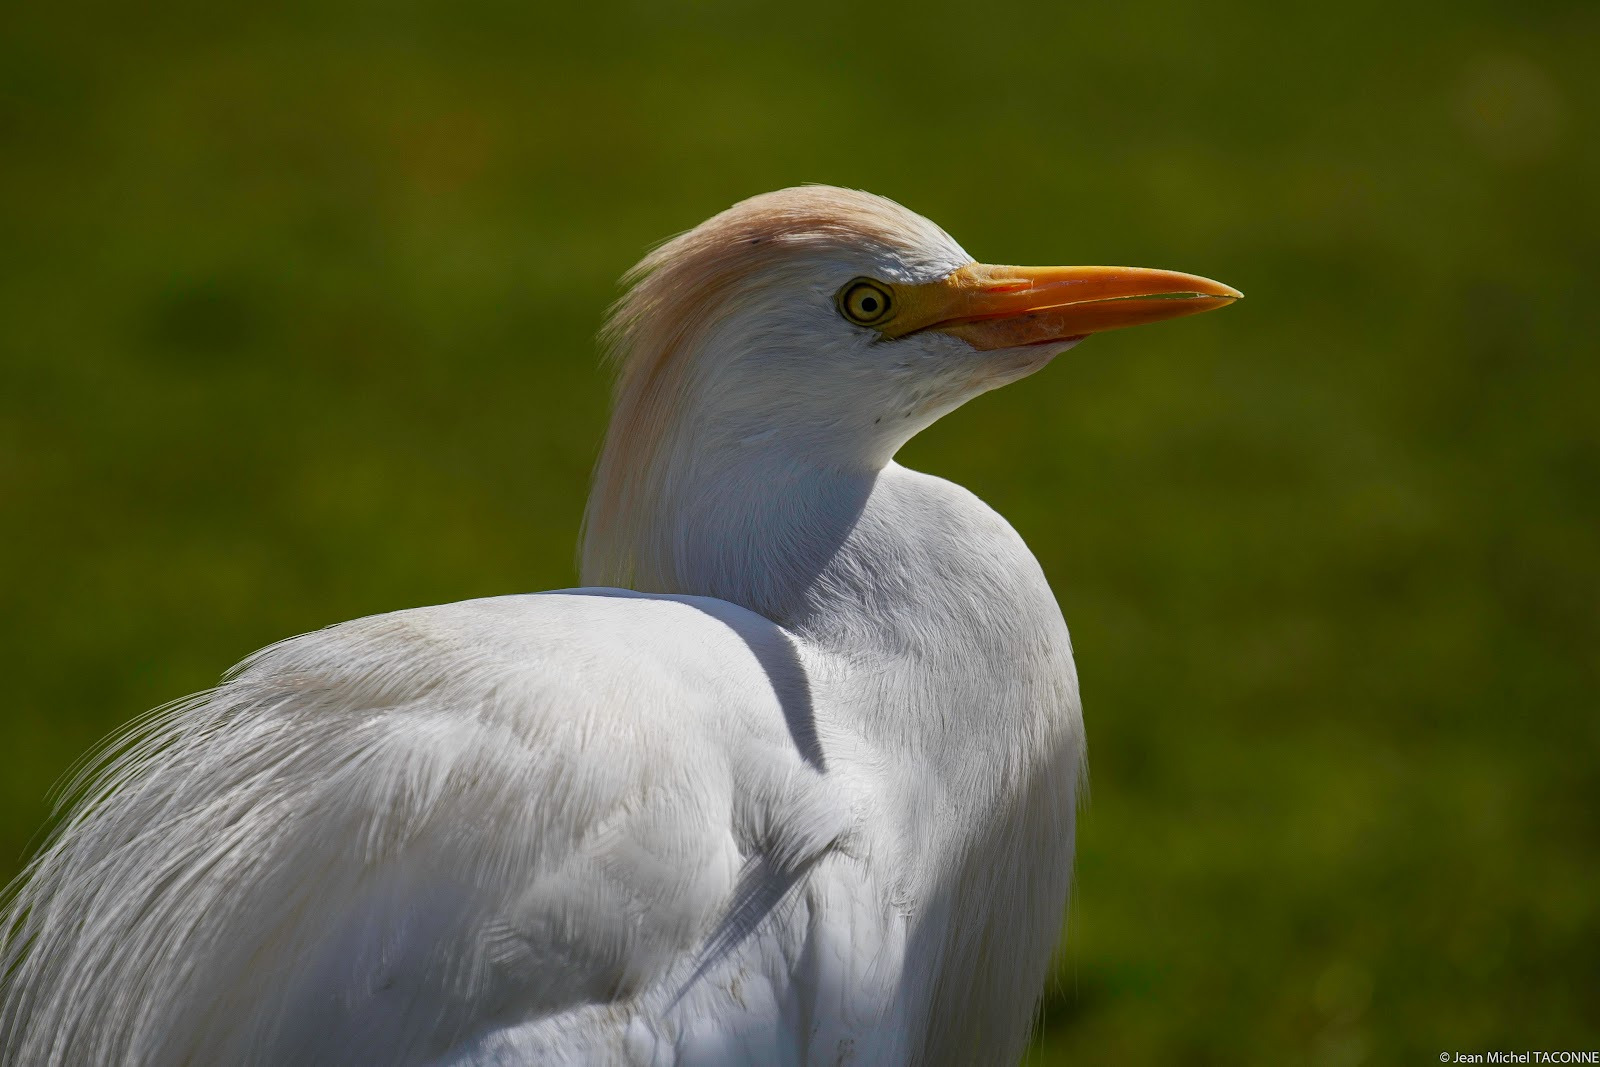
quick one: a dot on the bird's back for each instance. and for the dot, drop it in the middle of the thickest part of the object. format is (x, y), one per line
(573, 825)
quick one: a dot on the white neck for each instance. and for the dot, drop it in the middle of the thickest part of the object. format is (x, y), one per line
(955, 667)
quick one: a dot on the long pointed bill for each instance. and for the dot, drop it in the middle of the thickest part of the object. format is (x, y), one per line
(1007, 307)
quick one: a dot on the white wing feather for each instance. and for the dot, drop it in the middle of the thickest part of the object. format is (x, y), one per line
(589, 826)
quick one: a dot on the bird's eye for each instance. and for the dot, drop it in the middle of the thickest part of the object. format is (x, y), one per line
(865, 302)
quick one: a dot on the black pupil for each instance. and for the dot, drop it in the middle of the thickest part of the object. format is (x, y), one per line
(869, 304)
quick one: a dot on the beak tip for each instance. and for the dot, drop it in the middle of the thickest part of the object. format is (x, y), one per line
(1222, 291)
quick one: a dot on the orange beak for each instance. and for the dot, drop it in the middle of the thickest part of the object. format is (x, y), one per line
(1007, 307)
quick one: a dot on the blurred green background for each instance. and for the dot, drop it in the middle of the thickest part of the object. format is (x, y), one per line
(296, 317)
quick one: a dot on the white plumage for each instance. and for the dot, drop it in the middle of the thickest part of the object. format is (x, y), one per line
(802, 793)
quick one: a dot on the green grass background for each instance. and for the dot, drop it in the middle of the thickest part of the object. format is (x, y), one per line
(296, 317)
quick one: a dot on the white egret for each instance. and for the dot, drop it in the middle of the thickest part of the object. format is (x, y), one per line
(792, 780)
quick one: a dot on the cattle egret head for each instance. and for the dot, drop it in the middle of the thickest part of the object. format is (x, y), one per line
(825, 326)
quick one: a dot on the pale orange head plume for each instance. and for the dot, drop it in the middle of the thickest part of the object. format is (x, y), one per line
(674, 298)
